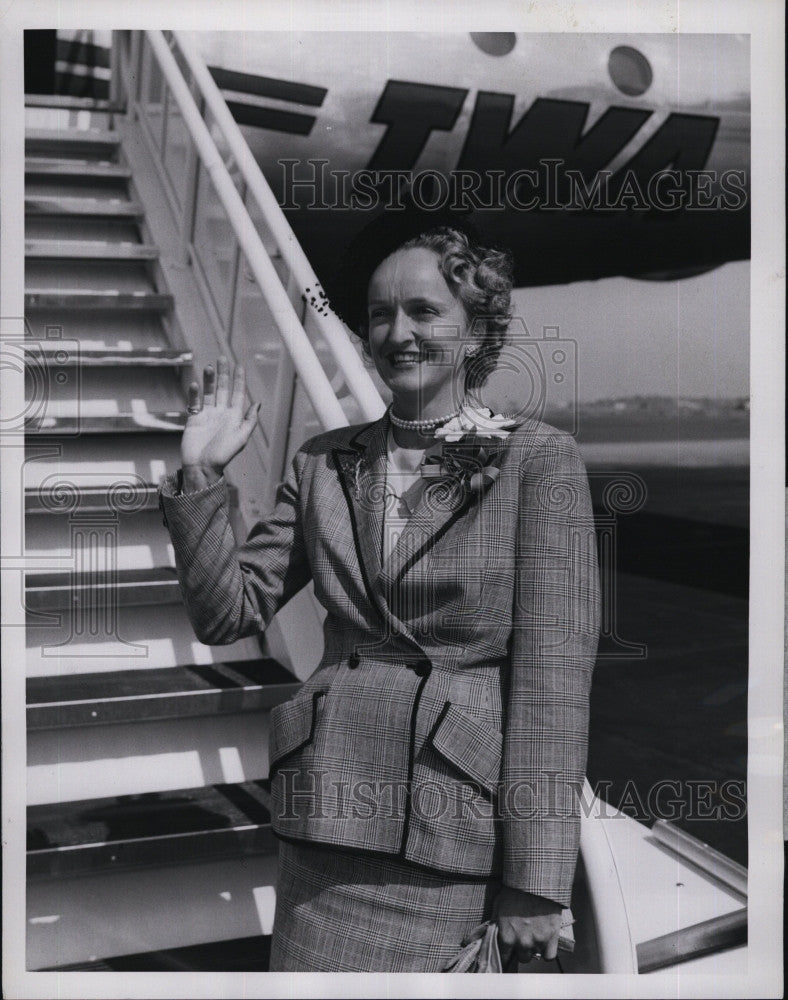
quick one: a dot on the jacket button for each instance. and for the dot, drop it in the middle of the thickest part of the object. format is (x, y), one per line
(422, 668)
(353, 660)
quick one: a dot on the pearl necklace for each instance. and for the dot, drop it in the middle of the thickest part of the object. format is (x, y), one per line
(422, 426)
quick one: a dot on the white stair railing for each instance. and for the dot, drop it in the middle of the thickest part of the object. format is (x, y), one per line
(317, 386)
(169, 86)
(356, 377)
(253, 302)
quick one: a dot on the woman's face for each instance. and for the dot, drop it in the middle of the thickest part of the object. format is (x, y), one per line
(417, 326)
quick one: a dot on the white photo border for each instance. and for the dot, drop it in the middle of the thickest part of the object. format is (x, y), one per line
(763, 20)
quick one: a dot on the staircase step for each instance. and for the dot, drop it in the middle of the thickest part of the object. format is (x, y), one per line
(90, 250)
(48, 166)
(82, 187)
(108, 330)
(117, 919)
(63, 140)
(92, 499)
(95, 499)
(130, 831)
(175, 692)
(63, 589)
(121, 538)
(80, 274)
(82, 227)
(99, 461)
(119, 423)
(77, 298)
(77, 183)
(51, 354)
(246, 954)
(70, 103)
(97, 399)
(68, 205)
(151, 637)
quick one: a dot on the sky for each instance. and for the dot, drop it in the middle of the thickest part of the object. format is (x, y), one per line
(676, 338)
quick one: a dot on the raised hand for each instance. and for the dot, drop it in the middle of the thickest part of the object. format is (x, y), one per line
(217, 429)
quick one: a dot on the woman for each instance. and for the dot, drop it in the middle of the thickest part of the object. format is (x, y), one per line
(425, 777)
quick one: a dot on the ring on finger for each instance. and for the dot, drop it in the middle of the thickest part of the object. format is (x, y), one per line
(192, 410)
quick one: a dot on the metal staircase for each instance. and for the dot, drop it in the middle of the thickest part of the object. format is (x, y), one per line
(147, 751)
(109, 643)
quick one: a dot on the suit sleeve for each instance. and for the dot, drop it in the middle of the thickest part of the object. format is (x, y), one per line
(554, 641)
(231, 591)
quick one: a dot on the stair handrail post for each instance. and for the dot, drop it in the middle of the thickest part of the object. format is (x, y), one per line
(316, 385)
(116, 90)
(134, 84)
(191, 176)
(284, 395)
(356, 376)
(235, 276)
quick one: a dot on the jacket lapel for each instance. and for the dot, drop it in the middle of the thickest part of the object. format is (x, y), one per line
(361, 466)
(441, 503)
(362, 472)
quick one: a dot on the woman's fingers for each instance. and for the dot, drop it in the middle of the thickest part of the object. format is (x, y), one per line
(240, 435)
(208, 386)
(249, 422)
(528, 925)
(551, 949)
(222, 381)
(507, 944)
(525, 947)
(239, 388)
(537, 947)
(250, 417)
(193, 398)
(220, 390)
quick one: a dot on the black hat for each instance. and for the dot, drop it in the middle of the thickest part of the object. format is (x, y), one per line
(347, 289)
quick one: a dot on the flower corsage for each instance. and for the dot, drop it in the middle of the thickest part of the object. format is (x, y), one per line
(468, 451)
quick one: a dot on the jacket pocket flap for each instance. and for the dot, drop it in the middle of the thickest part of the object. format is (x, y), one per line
(292, 726)
(469, 745)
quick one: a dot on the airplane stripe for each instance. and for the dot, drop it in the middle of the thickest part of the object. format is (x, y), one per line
(271, 118)
(81, 85)
(266, 86)
(82, 52)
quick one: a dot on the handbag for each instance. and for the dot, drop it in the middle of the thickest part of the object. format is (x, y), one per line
(480, 952)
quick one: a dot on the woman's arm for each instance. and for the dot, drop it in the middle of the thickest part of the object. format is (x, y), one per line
(555, 632)
(229, 591)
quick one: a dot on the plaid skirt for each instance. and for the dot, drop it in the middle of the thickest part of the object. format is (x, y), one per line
(343, 912)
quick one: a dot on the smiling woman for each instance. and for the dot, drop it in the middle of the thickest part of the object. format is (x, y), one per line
(424, 779)
(410, 306)
(433, 306)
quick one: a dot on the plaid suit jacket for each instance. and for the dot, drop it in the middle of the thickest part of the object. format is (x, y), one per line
(447, 721)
